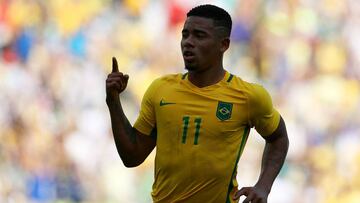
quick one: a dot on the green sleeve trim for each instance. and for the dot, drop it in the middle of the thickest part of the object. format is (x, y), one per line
(230, 78)
(184, 76)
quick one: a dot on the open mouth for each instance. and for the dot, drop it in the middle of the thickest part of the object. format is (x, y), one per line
(188, 55)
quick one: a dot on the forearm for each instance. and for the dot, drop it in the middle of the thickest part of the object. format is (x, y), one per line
(273, 156)
(123, 132)
(133, 146)
(272, 161)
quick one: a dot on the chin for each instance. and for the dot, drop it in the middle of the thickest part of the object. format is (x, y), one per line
(190, 67)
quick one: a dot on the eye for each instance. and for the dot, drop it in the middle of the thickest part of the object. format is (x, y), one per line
(185, 34)
(200, 34)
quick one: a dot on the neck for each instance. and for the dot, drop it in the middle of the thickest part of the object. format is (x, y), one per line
(207, 77)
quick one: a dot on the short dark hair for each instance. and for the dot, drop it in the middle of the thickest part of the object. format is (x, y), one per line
(220, 17)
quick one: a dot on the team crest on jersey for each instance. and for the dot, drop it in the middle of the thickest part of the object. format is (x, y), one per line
(224, 110)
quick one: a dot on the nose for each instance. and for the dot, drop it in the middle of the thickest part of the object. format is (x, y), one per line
(187, 42)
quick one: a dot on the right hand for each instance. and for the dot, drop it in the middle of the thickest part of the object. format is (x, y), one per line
(116, 82)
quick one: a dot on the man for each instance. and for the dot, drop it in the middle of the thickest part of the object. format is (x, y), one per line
(199, 121)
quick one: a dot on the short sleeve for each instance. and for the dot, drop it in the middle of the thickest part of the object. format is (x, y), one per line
(263, 116)
(146, 120)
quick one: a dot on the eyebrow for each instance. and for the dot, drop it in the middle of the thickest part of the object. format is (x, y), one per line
(195, 30)
(200, 31)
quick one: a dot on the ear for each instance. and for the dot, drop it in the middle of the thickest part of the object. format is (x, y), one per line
(225, 43)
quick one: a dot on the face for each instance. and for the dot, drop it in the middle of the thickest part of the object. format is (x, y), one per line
(201, 47)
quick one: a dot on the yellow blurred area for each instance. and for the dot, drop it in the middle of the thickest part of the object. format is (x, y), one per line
(22, 12)
(56, 139)
(135, 6)
(69, 15)
(331, 58)
(279, 23)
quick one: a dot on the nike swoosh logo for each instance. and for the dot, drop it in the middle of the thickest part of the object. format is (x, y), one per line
(163, 103)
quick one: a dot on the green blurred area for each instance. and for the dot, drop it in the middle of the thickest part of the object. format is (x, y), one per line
(56, 142)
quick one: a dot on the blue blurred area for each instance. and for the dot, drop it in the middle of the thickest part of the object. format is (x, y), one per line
(23, 44)
(78, 44)
(42, 188)
(56, 142)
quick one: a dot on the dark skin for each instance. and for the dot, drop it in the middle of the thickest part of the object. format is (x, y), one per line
(132, 145)
(273, 158)
(207, 45)
(203, 45)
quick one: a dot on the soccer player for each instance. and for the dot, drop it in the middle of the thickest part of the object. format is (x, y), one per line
(199, 121)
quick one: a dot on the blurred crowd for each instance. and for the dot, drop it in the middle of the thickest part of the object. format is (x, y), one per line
(56, 143)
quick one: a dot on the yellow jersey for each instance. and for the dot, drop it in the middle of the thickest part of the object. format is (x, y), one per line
(201, 134)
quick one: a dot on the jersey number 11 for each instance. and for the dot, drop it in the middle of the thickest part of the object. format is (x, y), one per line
(197, 121)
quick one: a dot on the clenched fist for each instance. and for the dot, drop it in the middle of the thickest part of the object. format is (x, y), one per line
(116, 82)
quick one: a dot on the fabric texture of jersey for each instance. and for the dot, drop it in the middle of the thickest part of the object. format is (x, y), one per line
(201, 133)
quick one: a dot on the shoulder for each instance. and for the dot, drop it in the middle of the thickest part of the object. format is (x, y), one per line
(168, 78)
(250, 89)
(163, 81)
(255, 93)
(259, 99)
(175, 77)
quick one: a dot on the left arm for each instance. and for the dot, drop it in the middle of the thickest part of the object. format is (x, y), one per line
(273, 158)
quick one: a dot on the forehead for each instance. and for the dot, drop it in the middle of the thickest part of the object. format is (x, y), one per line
(200, 23)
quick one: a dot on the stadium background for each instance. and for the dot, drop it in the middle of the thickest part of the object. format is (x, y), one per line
(56, 142)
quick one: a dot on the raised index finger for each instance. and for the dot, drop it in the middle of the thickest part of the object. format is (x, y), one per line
(115, 68)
